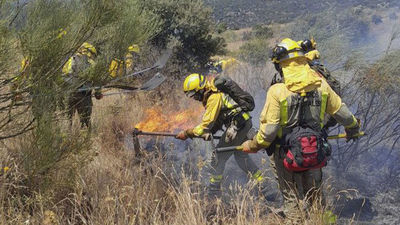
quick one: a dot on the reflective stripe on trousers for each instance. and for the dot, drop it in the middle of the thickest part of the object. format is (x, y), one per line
(243, 159)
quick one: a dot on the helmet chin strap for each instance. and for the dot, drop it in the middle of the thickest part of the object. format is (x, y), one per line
(278, 68)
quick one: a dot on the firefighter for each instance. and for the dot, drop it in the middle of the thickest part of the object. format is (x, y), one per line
(299, 103)
(220, 110)
(119, 68)
(309, 47)
(222, 65)
(80, 99)
(23, 80)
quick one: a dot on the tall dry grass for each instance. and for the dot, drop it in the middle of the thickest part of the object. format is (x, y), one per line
(111, 185)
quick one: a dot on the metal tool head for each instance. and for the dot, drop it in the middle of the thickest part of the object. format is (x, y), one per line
(154, 82)
(163, 59)
(136, 132)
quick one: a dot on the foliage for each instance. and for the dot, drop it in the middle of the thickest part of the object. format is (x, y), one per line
(255, 51)
(191, 25)
(262, 31)
(221, 27)
(44, 34)
(258, 31)
(241, 14)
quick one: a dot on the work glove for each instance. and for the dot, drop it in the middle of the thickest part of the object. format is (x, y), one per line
(181, 135)
(98, 95)
(231, 133)
(250, 147)
(207, 136)
(352, 132)
(18, 97)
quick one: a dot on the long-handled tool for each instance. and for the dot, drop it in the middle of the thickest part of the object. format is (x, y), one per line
(151, 84)
(234, 148)
(345, 136)
(155, 81)
(158, 65)
(137, 132)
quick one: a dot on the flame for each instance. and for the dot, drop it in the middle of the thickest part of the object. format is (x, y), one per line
(157, 119)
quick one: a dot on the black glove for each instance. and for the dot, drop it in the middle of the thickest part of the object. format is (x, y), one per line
(351, 133)
(98, 95)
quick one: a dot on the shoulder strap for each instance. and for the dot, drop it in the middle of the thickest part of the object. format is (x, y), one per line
(301, 109)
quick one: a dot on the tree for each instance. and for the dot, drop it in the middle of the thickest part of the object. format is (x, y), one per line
(44, 34)
(191, 25)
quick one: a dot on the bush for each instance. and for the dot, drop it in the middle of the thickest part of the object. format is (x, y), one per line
(191, 25)
(221, 27)
(262, 31)
(258, 31)
(255, 51)
(51, 155)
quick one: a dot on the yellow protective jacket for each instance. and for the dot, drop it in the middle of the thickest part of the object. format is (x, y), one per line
(72, 70)
(24, 77)
(219, 106)
(313, 55)
(68, 67)
(228, 63)
(119, 68)
(280, 114)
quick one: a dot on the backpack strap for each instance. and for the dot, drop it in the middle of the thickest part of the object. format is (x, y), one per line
(301, 108)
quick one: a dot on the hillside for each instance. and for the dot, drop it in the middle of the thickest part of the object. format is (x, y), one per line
(244, 13)
(83, 83)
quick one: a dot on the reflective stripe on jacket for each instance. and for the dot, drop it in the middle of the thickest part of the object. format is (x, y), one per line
(220, 108)
(280, 111)
(119, 68)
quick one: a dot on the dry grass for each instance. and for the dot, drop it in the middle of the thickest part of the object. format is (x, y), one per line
(116, 187)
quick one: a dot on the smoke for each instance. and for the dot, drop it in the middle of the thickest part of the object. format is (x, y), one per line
(369, 172)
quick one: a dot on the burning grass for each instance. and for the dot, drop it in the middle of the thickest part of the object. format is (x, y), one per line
(157, 119)
(116, 187)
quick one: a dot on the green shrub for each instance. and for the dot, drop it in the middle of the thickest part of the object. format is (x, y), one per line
(255, 51)
(258, 31)
(191, 25)
(262, 31)
(221, 27)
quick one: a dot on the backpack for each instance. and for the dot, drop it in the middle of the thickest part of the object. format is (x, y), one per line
(333, 83)
(230, 87)
(305, 147)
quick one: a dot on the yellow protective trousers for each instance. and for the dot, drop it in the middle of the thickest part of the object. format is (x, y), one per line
(243, 159)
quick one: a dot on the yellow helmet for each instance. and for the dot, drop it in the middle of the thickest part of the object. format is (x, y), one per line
(285, 50)
(313, 42)
(134, 48)
(194, 82)
(61, 33)
(87, 49)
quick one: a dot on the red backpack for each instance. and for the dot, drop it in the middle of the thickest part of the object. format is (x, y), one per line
(305, 147)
